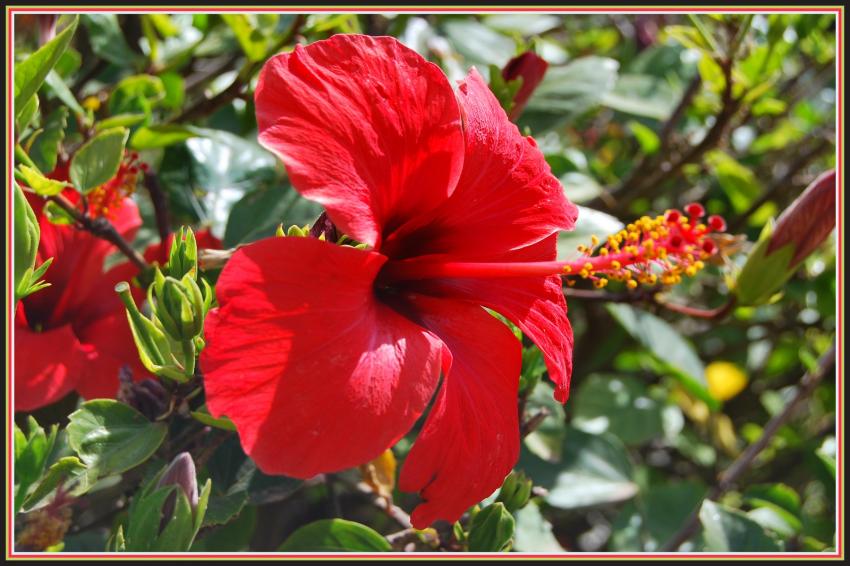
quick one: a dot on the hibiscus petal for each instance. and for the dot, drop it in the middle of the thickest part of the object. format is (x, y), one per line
(111, 346)
(535, 304)
(78, 258)
(506, 198)
(365, 126)
(470, 441)
(47, 365)
(316, 373)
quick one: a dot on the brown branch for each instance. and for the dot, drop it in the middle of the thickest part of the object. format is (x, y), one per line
(103, 229)
(733, 473)
(160, 206)
(670, 169)
(527, 426)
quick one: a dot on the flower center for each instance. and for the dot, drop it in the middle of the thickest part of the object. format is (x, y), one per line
(647, 251)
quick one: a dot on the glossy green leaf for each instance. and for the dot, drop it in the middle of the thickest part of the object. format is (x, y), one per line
(30, 73)
(45, 147)
(335, 535)
(97, 160)
(728, 530)
(251, 40)
(107, 39)
(163, 135)
(112, 437)
(594, 470)
(668, 346)
(534, 532)
(40, 184)
(619, 405)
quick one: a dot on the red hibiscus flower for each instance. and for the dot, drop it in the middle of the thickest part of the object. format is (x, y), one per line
(74, 334)
(325, 355)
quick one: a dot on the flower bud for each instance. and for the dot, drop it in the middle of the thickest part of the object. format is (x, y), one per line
(183, 255)
(515, 492)
(530, 68)
(324, 226)
(181, 472)
(147, 396)
(155, 349)
(801, 229)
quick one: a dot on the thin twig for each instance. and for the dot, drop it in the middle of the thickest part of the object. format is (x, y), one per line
(102, 228)
(530, 425)
(207, 106)
(160, 206)
(733, 473)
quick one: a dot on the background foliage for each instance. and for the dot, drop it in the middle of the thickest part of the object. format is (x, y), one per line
(636, 114)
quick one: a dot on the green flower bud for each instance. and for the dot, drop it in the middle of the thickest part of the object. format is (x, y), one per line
(515, 492)
(780, 250)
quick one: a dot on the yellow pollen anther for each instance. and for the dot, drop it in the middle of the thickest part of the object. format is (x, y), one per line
(616, 264)
(568, 269)
(588, 266)
(603, 251)
(594, 241)
(599, 283)
(631, 284)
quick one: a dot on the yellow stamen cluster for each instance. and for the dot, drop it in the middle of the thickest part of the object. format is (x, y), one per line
(661, 249)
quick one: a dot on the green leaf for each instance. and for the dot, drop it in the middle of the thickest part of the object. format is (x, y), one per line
(492, 529)
(111, 437)
(144, 518)
(259, 212)
(222, 509)
(120, 120)
(645, 136)
(98, 159)
(204, 417)
(39, 183)
(642, 95)
(728, 530)
(61, 471)
(107, 40)
(27, 114)
(569, 90)
(645, 524)
(534, 532)
(136, 94)
(45, 148)
(55, 214)
(150, 137)
(619, 405)
(31, 453)
(478, 43)
(27, 234)
(251, 40)
(30, 74)
(777, 507)
(335, 535)
(667, 346)
(179, 529)
(57, 85)
(737, 181)
(206, 175)
(594, 470)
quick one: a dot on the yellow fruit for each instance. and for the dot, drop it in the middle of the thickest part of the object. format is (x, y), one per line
(725, 380)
